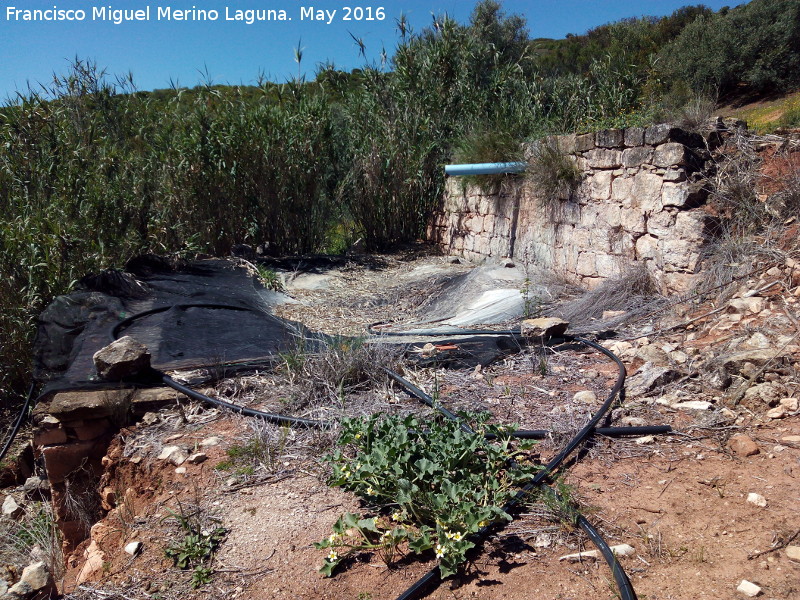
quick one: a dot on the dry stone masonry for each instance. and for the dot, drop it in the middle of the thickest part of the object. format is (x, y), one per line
(641, 198)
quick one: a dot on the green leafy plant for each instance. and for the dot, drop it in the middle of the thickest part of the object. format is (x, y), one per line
(269, 278)
(440, 483)
(196, 550)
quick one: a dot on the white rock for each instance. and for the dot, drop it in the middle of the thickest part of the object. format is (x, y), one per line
(11, 509)
(586, 396)
(790, 404)
(619, 550)
(793, 553)
(180, 470)
(748, 589)
(197, 458)
(644, 440)
(693, 405)
(779, 412)
(133, 548)
(757, 499)
(211, 441)
(173, 454)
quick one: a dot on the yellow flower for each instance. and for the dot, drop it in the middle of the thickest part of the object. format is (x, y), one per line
(332, 556)
(458, 536)
(440, 551)
(370, 491)
(449, 535)
(397, 516)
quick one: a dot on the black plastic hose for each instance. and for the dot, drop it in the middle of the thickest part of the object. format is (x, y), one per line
(23, 413)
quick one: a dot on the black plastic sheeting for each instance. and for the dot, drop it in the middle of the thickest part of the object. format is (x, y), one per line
(203, 314)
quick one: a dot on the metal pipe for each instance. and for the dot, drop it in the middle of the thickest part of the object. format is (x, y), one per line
(485, 168)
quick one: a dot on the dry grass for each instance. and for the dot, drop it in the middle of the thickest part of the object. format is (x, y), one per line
(34, 537)
(633, 292)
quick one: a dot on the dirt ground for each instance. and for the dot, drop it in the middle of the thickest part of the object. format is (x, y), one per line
(681, 500)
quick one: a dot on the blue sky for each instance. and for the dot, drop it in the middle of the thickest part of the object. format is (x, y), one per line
(158, 52)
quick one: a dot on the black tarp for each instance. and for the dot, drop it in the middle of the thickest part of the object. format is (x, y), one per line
(183, 336)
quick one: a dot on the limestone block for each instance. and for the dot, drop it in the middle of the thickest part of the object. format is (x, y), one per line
(679, 255)
(657, 134)
(634, 136)
(48, 437)
(610, 138)
(584, 142)
(691, 225)
(122, 358)
(675, 175)
(607, 265)
(671, 154)
(609, 215)
(60, 461)
(647, 248)
(600, 238)
(647, 191)
(602, 158)
(680, 283)
(621, 189)
(485, 206)
(634, 157)
(632, 220)
(601, 186)
(567, 143)
(623, 244)
(684, 195)
(660, 224)
(569, 212)
(587, 264)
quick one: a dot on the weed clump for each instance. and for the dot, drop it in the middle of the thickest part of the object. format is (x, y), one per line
(554, 176)
(443, 485)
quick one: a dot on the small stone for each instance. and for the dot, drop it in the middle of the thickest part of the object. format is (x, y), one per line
(793, 553)
(150, 418)
(507, 263)
(633, 422)
(586, 397)
(619, 550)
(428, 350)
(34, 578)
(790, 404)
(778, 412)
(173, 454)
(791, 438)
(210, 441)
(180, 470)
(693, 405)
(743, 445)
(543, 327)
(197, 458)
(133, 548)
(11, 509)
(35, 487)
(753, 305)
(748, 589)
(757, 499)
(122, 358)
(644, 440)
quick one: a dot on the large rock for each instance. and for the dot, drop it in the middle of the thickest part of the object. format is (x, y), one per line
(11, 509)
(122, 358)
(650, 377)
(543, 327)
(36, 580)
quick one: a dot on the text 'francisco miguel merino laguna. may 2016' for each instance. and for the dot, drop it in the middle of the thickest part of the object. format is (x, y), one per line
(119, 16)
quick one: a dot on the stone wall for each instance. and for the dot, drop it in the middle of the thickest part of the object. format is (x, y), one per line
(72, 433)
(641, 198)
